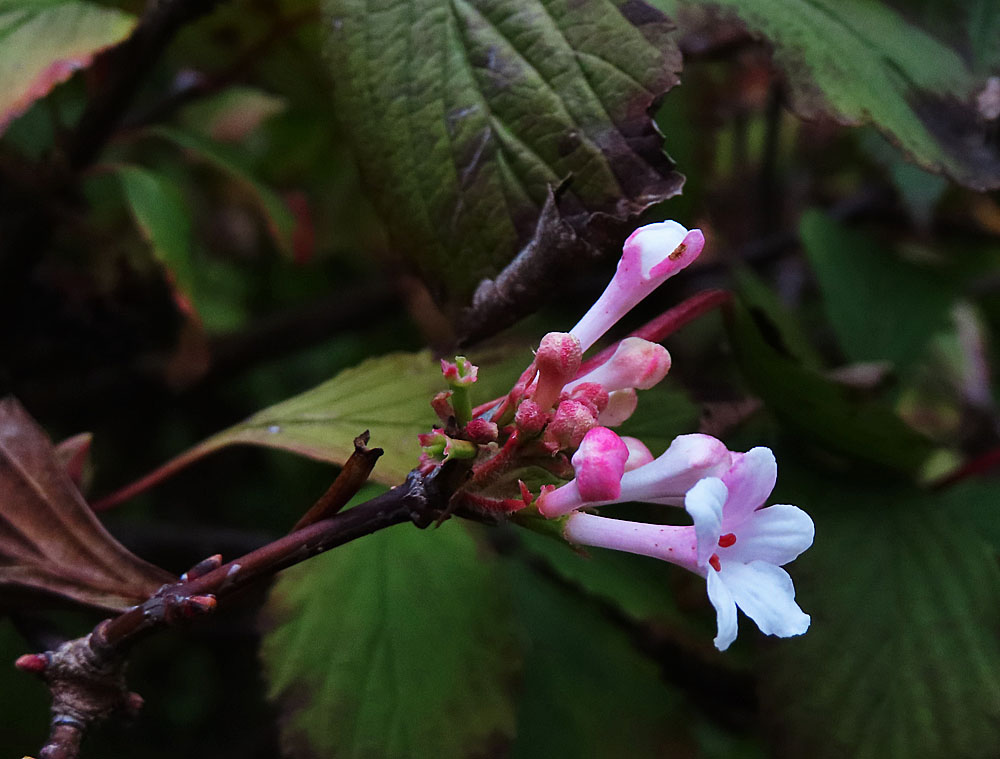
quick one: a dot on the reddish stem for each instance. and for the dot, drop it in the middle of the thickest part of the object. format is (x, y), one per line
(157, 476)
(666, 323)
(980, 465)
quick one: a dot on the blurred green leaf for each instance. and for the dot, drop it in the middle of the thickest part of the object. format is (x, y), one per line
(901, 659)
(860, 61)
(389, 395)
(43, 42)
(817, 410)
(229, 160)
(161, 214)
(587, 693)
(794, 341)
(880, 306)
(396, 646)
(233, 114)
(464, 115)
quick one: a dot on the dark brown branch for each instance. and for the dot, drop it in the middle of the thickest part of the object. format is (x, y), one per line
(128, 64)
(86, 675)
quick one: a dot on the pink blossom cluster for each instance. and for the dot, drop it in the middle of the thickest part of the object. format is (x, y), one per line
(557, 419)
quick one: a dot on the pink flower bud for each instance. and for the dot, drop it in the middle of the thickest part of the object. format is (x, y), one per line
(599, 464)
(482, 431)
(569, 424)
(651, 255)
(621, 405)
(592, 395)
(558, 359)
(638, 453)
(636, 363)
(530, 417)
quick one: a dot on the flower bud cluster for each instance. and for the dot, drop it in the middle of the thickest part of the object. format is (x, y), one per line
(554, 429)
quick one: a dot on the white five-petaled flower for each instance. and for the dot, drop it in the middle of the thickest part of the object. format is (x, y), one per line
(737, 546)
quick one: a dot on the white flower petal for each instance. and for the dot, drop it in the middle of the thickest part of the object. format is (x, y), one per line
(725, 610)
(776, 535)
(704, 502)
(765, 594)
(750, 481)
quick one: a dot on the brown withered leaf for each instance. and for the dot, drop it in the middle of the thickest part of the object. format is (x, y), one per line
(51, 544)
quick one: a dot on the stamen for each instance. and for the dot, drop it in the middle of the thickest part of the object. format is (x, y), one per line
(715, 563)
(727, 540)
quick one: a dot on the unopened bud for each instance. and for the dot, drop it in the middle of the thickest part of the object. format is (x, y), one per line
(482, 431)
(591, 394)
(599, 464)
(33, 663)
(558, 359)
(635, 363)
(530, 417)
(569, 424)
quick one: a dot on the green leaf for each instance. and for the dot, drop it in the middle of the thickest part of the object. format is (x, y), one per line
(389, 395)
(227, 159)
(396, 646)
(901, 659)
(233, 114)
(43, 42)
(161, 214)
(860, 61)
(880, 306)
(587, 693)
(464, 114)
(645, 589)
(817, 410)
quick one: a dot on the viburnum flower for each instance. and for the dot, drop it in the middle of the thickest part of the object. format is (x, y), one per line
(651, 255)
(738, 547)
(664, 480)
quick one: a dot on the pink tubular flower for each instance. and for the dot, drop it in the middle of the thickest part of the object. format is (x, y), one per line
(636, 363)
(558, 359)
(736, 546)
(651, 255)
(663, 480)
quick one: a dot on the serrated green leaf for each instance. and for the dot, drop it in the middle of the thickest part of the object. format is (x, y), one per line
(880, 306)
(901, 659)
(159, 210)
(229, 160)
(397, 646)
(43, 42)
(587, 693)
(389, 395)
(860, 61)
(464, 114)
(817, 410)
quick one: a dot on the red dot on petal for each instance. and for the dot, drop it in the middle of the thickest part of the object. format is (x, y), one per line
(714, 561)
(727, 540)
